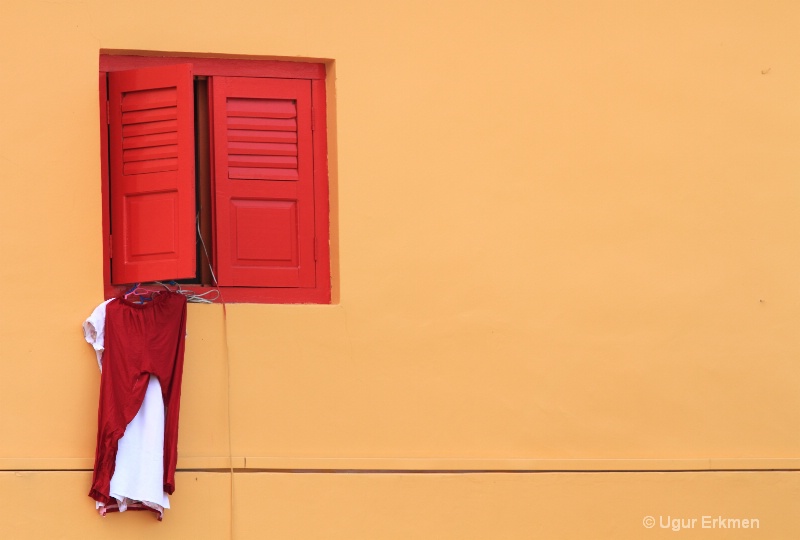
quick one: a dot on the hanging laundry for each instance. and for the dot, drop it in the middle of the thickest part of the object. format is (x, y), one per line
(140, 349)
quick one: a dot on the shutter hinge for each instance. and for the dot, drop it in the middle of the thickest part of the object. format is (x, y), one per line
(108, 112)
(110, 243)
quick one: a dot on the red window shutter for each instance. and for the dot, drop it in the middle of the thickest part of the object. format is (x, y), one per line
(151, 147)
(263, 182)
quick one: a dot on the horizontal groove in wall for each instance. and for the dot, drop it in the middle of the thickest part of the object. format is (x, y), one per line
(423, 465)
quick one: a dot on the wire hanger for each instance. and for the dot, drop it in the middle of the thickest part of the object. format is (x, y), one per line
(130, 291)
(144, 294)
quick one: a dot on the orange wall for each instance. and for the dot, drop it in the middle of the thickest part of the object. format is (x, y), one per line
(564, 238)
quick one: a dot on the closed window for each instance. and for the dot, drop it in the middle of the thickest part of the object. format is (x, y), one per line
(215, 174)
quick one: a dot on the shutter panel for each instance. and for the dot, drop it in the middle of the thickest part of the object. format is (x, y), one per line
(151, 125)
(263, 182)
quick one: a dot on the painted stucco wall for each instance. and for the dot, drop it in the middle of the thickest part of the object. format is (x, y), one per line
(564, 238)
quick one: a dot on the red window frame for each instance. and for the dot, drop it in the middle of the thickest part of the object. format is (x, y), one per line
(314, 285)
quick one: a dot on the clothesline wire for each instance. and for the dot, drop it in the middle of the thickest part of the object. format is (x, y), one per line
(205, 249)
(192, 296)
